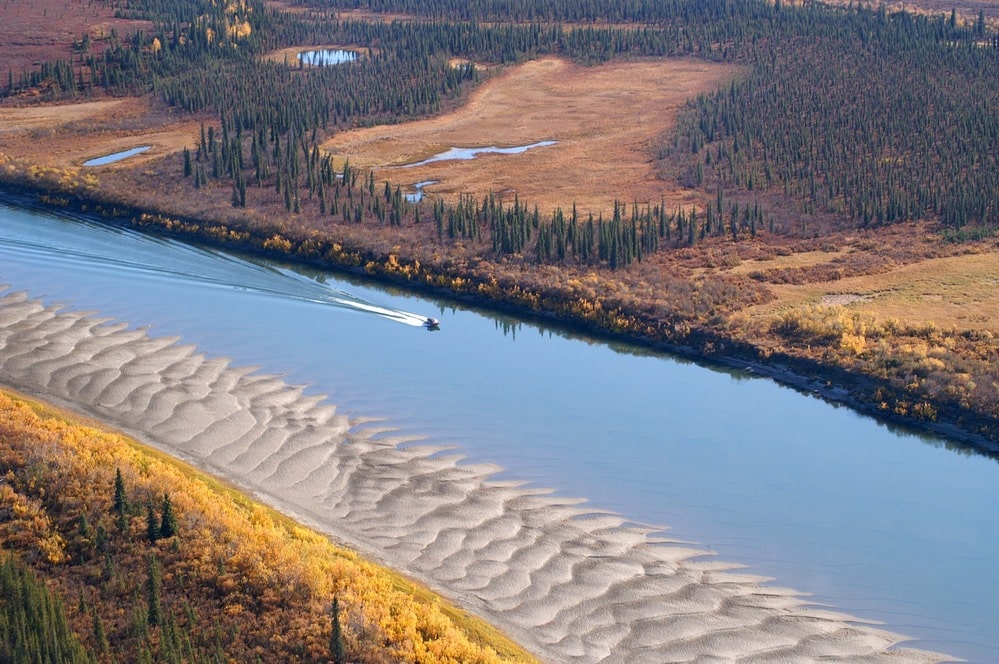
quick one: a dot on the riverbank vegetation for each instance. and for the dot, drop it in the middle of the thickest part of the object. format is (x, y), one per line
(114, 552)
(866, 138)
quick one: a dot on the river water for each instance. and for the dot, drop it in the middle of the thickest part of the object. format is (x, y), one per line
(882, 524)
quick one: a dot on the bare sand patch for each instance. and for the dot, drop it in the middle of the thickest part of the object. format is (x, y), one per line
(842, 299)
(955, 291)
(604, 119)
(568, 583)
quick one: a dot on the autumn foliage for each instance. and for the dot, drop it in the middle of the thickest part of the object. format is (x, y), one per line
(234, 582)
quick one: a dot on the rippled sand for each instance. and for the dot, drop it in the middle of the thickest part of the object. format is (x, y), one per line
(569, 584)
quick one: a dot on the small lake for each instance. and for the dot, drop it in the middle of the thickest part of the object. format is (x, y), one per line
(116, 156)
(881, 523)
(327, 56)
(472, 153)
(417, 195)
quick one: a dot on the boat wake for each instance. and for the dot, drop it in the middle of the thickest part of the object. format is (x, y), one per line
(141, 256)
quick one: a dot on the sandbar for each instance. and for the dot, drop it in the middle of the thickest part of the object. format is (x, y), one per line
(569, 583)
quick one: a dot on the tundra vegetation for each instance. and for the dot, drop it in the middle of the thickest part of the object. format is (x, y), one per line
(859, 139)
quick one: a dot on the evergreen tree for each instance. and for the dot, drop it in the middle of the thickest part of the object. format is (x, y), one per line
(154, 581)
(100, 635)
(33, 626)
(83, 526)
(152, 524)
(168, 521)
(338, 649)
(120, 502)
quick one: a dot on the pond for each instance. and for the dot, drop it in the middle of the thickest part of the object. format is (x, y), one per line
(327, 56)
(417, 195)
(472, 153)
(116, 156)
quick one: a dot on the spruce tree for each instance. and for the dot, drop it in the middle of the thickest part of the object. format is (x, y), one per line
(168, 520)
(152, 524)
(338, 649)
(100, 635)
(120, 501)
(153, 591)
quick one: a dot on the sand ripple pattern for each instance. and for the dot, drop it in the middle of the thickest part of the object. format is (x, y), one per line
(570, 584)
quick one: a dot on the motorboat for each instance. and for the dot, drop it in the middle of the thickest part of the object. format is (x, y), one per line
(432, 323)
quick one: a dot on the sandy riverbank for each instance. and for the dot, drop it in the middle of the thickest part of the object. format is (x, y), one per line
(570, 585)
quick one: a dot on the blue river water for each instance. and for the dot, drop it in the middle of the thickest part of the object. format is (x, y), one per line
(882, 524)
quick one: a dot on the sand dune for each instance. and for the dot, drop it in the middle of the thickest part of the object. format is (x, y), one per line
(570, 584)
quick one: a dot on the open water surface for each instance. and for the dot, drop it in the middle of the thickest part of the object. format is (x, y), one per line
(417, 194)
(116, 156)
(327, 56)
(882, 524)
(465, 154)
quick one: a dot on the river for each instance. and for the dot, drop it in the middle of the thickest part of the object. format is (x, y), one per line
(880, 523)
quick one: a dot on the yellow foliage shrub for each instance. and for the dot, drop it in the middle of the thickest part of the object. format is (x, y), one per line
(272, 579)
(277, 243)
(239, 30)
(830, 325)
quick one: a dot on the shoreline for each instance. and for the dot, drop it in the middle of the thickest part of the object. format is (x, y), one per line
(567, 582)
(829, 382)
(211, 509)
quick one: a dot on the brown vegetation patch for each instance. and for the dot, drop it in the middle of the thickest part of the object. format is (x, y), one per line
(604, 119)
(789, 260)
(966, 10)
(29, 118)
(842, 299)
(343, 15)
(375, 17)
(66, 135)
(277, 5)
(960, 292)
(43, 30)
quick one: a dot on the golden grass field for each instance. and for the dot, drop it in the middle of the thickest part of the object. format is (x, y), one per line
(955, 291)
(603, 118)
(48, 118)
(66, 135)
